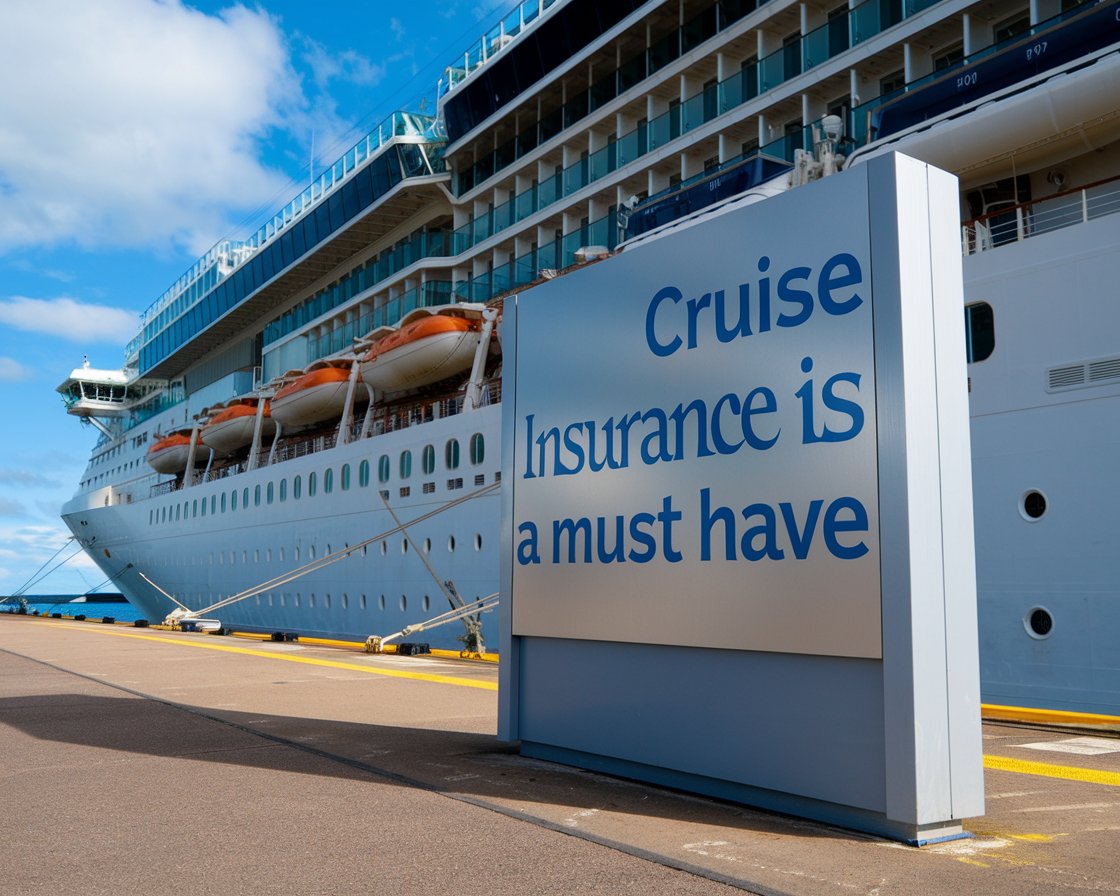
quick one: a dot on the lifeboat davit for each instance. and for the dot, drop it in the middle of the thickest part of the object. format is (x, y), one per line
(231, 428)
(169, 453)
(318, 395)
(420, 353)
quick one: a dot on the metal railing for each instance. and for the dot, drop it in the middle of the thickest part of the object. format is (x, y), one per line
(1014, 223)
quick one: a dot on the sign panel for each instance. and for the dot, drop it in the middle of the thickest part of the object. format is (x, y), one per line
(694, 458)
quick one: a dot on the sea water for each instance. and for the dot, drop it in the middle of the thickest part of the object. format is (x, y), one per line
(121, 609)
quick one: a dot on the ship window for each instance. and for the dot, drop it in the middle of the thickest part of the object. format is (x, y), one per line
(345, 601)
(213, 504)
(268, 493)
(381, 602)
(450, 542)
(245, 496)
(297, 487)
(363, 474)
(345, 477)
(283, 490)
(478, 542)
(363, 601)
(428, 459)
(311, 599)
(478, 448)
(223, 502)
(311, 552)
(327, 600)
(979, 331)
(404, 545)
(257, 496)
(383, 468)
(892, 82)
(1039, 623)
(178, 509)
(426, 603)
(233, 500)
(194, 508)
(427, 545)
(256, 555)
(384, 548)
(328, 481)
(948, 56)
(404, 602)
(295, 553)
(1032, 505)
(406, 464)
(451, 454)
(311, 483)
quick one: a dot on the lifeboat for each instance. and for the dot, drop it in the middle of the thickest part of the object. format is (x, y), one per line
(169, 453)
(420, 353)
(231, 427)
(313, 397)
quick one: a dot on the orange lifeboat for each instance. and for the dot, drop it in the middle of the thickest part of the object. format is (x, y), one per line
(318, 395)
(169, 453)
(420, 353)
(232, 427)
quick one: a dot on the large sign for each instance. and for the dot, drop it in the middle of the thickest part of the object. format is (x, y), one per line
(695, 450)
(737, 496)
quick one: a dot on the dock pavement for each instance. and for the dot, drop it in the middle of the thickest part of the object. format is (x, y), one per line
(136, 761)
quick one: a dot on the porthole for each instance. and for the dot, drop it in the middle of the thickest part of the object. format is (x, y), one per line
(406, 464)
(381, 602)
(404, 602)
(363, 474)
(426, 603)
(404, 545)
(328, 481)
(327, 600)
(311, 552)
(451, 454)
(108, 556)
(311, 599)
(428, 459)
(311, 484)
(478, 448)
(223, 502)
(297, 487)
(345, 601)
(268, 493)
(1039, 623)
(363, 601)
(450, 542)
(383, 468)
(427, 545)
(384, 548)
(283, 490)
(257, 496)
(245, 496)
(478, 542)
(979, 332)
(233, 500)
(344, 477)
(1032, 506)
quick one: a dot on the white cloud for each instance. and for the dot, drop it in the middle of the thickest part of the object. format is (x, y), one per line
(10, 508)
(11, 476)
(11, 371)
(137, 122)
(68, 319)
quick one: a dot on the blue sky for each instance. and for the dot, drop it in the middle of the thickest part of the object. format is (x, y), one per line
(141, 133)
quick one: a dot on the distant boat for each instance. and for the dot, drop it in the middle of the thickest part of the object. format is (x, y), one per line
(420, 353)
(231, 427)
(315, 396)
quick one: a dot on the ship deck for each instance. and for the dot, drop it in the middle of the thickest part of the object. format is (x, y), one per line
(158, 762)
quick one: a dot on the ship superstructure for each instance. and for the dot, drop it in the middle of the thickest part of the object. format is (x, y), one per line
(569, 129)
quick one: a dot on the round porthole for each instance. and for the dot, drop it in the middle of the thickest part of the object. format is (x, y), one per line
(1032, 505)
(1039, 623)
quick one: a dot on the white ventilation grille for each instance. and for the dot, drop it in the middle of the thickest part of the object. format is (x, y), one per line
(1087, 373)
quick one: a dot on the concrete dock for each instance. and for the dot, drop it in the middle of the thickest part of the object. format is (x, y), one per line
(140, 761)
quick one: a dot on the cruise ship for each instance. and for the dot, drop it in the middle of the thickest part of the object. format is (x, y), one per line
(304, 438)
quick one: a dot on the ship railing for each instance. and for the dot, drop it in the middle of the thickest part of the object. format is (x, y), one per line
(1013, 223)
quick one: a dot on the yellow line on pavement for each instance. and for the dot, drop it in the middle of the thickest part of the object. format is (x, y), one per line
(188, 641)
(1066, 772)
(995, 712)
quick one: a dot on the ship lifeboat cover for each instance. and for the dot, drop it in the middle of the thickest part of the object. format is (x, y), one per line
(429, 345)
(169, 453)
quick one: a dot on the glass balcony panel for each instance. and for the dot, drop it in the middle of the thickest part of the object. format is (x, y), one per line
(525, 203)
(692, 113)
(503, 216)
(574, 178)
(771, 71)
(815, 47)
(659, 131)
(549, 191)
(599, 164)
(628, 148)
(865, 21)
